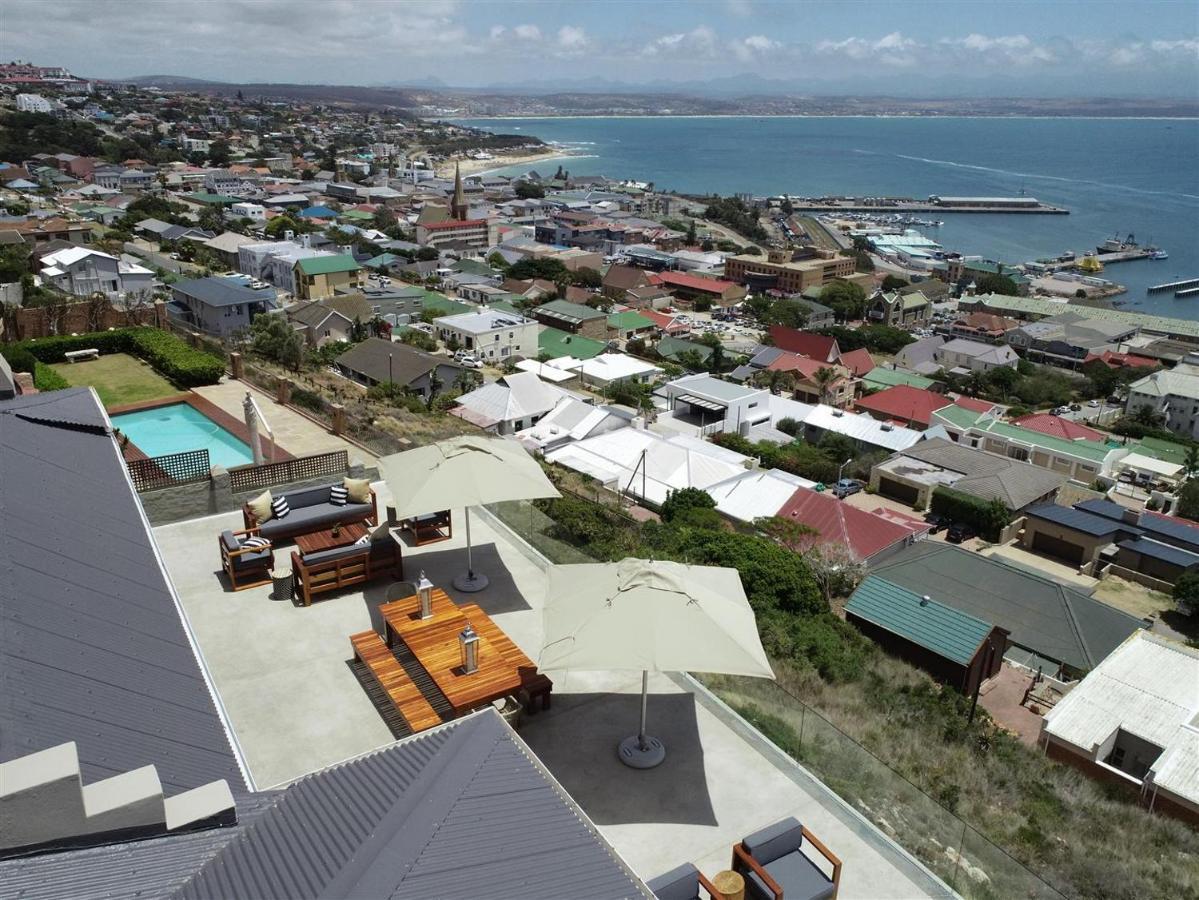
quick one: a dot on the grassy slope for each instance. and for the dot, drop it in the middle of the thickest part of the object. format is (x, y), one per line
(118, 378)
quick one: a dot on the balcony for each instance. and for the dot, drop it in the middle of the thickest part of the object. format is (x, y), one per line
(281, 676)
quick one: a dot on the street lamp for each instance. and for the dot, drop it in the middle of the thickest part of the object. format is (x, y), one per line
(390, 380)
(841, 468)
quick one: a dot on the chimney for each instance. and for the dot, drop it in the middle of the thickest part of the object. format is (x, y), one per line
(1131, 516)
(289, 235)
(925, 600)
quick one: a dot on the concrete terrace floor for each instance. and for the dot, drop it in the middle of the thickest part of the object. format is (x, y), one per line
(298, 435)
(294, 705)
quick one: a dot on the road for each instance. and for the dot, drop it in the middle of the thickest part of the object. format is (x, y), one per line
(159, 260)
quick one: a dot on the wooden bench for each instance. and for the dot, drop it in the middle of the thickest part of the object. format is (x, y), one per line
(76, 355)
(355, 567)
(370, 649)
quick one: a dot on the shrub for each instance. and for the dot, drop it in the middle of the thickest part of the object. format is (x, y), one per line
(19, 359)
(46, 379)
(987, 517)
(1186, 590)
(684, 500)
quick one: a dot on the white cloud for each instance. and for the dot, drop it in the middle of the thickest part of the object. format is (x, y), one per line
(572, 39)
(699, 41)
(527, 32)
(754, 46)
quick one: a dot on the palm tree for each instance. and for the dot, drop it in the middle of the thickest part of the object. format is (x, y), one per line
(825, 378)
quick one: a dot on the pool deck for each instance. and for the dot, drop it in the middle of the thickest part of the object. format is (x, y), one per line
(297, 433)
(236, 427)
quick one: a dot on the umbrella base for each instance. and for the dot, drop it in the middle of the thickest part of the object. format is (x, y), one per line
(633, 755)
(471, 582)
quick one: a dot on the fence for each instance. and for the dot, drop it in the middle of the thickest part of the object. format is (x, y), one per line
(169, 470)
(971, 864)
(303, 468)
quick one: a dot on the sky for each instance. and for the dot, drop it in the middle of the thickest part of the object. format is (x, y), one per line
(939, 48)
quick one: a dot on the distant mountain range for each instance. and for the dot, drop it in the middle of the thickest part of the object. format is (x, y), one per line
(733, 95)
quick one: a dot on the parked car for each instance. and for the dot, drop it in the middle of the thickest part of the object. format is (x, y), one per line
(1093, 403)
(1075, 407)
(960, 531)
(845, 487)
(468, 360)
(1113, 399)
(937, 521)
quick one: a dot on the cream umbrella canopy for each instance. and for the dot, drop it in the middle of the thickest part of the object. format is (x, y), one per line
(464, 471)
(651, 616)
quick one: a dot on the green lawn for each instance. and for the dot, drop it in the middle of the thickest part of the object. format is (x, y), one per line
(118, 378)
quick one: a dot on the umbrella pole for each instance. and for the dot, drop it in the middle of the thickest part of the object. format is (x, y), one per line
(470, 582)
(641, 751)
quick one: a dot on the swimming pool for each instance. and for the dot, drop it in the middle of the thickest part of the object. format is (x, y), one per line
(177, 427)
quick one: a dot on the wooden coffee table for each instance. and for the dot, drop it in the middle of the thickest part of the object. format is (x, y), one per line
(316, 541)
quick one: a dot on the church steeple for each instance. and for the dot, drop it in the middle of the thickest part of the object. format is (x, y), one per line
(458, 206)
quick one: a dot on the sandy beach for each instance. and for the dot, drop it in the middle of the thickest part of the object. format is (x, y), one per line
(500, 161)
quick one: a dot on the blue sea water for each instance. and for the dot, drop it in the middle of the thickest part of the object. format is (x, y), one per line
(1115, 175)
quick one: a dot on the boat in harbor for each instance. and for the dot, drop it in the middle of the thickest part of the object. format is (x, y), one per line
(1159, 254)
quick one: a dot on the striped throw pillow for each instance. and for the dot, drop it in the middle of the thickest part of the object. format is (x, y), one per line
(256, 543)
(338, 495)
(279, 507)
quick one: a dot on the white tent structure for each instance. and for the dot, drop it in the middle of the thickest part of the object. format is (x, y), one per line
(466, 471)
(650, 616)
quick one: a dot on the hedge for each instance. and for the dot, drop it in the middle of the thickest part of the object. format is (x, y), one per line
(173, 358)
(988, 517)
(46, 379)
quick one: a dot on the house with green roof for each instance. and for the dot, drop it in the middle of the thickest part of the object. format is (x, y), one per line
(672, 348)
(879, 379)
(441, 305)
(899, 310)
(554, 343)
(1079, 460)
(954, 646)
(212, 199)
(630, 324)
(574, 318)
(323, 276)
(1039, 308)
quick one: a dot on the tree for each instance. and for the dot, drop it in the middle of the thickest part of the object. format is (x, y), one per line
(1147, 416)
(496, 261)
(680, 506)
(528, 190)
(1186, 592)
(1003, 379)
(274, 338)
(691, 235)
(996, 284)
(786, 207)
(587, 277)
(218, 153)
(211, 219)
(1188, 500)
(894, 283)
(845, 299)
(383, 218)
(825, 378)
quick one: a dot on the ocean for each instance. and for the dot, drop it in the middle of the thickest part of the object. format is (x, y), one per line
(1116, 176)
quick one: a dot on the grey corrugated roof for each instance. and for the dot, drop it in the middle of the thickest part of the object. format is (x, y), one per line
(988, 475)
(1042, 615)
(137, 870)
(92, 646)
(219, 291)
(1165, 552)
(461, 811)
(1177, 531)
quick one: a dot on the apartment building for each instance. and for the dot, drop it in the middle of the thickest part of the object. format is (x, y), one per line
(456, 233)
(491, 335)
(778, 271)
(1173, 394)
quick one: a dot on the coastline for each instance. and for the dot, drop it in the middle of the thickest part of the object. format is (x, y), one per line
(487, 166)
(532, 116)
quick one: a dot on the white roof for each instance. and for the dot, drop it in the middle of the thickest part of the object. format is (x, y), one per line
(614, 366)
(481, 321)
(545, 371)
(1149, 687)
(1149, 464)
(757, 493)
(1178, 382)
(570, 420)
(513, 397)
(856, 426)
(68, 256)
(670, 463)
(131, 268)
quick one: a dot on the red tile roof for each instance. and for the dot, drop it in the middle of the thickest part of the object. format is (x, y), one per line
(694, 282)
(974, 404)
(1118, 360)
(793, 362)
(904, 403)
(857, 361)
(1056, 426)
(837, 522)
(813, 346)
(665, 321)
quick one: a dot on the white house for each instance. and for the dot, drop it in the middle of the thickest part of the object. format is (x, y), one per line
(275, 261)
(609, 368)
(255, 212)
(509, 404)
(708, 404)
(572, 420)
(1173, 393)
(491, 335)
(82, 271)
(975, 356)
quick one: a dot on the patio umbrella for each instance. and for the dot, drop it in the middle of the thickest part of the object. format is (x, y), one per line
(466, 471)
(652, 616)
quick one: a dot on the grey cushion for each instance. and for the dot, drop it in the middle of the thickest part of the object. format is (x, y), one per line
(680, 883)
(252, 560)
(308, 496)
(315, 518)
(773, 841)
(230, 542)
(799, 877)
(336, 553)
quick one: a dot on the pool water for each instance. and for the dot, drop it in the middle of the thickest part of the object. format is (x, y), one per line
(178, 427)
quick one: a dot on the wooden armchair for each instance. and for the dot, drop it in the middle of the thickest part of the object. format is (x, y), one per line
(429, 529)
(775, 866)
(246, 567)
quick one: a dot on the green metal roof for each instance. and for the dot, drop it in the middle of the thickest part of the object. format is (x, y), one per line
(218, 199)
(327, 265)
(914, 301)
(885, 378)
(957, 416)
(505, 305)
(948, 632)
(1090, 450)
(1035, 306)
(558, 343)
(629, 320)
(356, 214)
(443, 305)
(1167, 451)
(383, 259)
(671, 347)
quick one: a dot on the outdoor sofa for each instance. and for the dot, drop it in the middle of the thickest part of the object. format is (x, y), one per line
(775, 866)
(312, 510)
(681, 883)
(330, 570)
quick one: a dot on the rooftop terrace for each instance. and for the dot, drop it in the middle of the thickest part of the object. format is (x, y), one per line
(294, 705)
